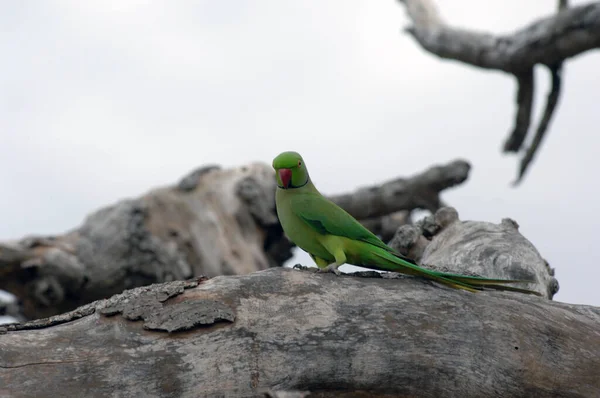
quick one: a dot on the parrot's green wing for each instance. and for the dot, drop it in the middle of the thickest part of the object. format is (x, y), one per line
(326, 217)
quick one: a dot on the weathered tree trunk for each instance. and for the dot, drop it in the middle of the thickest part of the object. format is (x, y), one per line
(213, 222)
(290, 330)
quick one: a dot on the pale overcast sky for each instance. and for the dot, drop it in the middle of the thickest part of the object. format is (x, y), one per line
(102, 100)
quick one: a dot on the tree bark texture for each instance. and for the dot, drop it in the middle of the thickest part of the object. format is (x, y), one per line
(445, 243)
(213, 222)
(316, 334)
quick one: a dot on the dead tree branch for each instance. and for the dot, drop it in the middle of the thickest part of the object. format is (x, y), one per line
(444, 242)
(549, 41)
(551, 102)
(419, 192)
(525, 94)
(289, 330)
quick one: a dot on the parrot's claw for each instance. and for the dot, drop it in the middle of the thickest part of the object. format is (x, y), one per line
(333, 267)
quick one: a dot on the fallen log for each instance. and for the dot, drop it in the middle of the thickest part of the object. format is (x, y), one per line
(316, 334)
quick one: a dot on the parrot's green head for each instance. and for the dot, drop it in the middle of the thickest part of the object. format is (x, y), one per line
(290, 170)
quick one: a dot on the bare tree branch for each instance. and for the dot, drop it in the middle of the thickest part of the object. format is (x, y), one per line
(551, 102)
(290, 330)
(549, 41)
(525, 91)
(419, 192)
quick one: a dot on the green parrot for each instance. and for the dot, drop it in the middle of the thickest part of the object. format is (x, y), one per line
(333, 237)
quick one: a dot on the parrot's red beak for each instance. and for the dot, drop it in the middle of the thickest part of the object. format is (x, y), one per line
(285, 175)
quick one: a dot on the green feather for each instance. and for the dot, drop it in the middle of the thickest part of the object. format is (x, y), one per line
(328, 218)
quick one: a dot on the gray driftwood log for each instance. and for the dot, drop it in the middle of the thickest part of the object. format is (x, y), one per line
(549, 41)
(317, 334)
(213, 222)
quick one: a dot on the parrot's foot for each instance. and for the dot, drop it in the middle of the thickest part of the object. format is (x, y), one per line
(333, 267)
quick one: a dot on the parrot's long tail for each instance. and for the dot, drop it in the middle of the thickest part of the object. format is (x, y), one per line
(489, 283)
(387, 261)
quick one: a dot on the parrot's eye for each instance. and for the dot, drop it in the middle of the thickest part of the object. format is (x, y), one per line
(299, 163)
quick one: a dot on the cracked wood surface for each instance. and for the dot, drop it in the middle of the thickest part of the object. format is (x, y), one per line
(293, 330)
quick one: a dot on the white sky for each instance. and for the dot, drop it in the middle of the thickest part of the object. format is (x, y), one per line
(102, 100)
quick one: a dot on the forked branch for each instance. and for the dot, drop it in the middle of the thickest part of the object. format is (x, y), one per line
(549, 41)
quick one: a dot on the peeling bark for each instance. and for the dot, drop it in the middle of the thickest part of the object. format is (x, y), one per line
(212, 222)
(310, 335)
